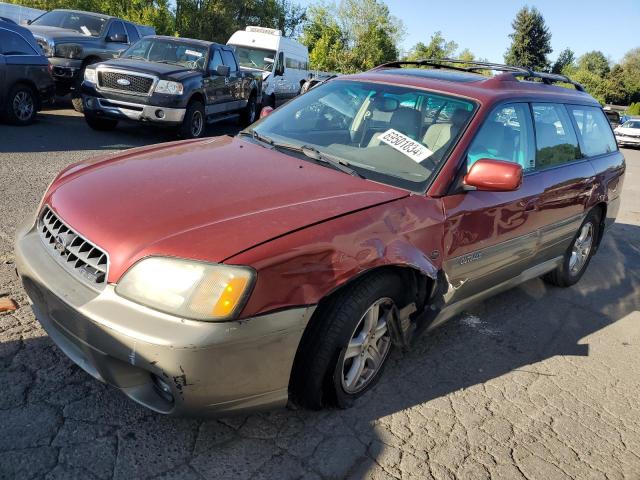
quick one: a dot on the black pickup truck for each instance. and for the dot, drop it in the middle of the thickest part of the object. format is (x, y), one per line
(170, 81)
(72, 39)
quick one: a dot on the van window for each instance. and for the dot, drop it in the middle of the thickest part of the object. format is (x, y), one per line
(594, 129)
(507, 134)
(556, 141)
(229, 60)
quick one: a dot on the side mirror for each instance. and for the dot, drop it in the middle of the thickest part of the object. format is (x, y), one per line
(493, 176)
(223, 70)
(279, 70)
(117, 38)
(266, 111)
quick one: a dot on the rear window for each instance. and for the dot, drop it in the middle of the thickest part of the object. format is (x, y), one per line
(594, 130)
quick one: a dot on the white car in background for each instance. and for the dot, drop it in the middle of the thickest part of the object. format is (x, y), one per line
(629, 133)
(282, 62)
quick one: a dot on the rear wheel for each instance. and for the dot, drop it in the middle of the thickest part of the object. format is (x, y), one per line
(248, 115)
(344, 350)
(194, 121)
(579, 253)
(22, 106)
(101, 124)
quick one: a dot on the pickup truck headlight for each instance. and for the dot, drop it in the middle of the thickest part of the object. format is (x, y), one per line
(169, 87)
(188, 288)
(90, 75)
(68, 50)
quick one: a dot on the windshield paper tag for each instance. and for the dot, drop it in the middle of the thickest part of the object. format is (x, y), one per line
(412, 149)
(193, 52)
(85, 30)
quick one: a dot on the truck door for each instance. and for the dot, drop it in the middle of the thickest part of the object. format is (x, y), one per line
(116, 40)
(216, 86)
(234, 81)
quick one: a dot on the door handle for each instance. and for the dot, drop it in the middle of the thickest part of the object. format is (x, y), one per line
(529, 205)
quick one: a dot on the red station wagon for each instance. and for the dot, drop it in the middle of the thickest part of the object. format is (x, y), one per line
(227, 274)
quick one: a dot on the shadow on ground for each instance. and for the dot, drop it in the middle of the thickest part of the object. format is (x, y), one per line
(59, 421)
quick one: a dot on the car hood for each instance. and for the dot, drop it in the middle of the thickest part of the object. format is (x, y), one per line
(58, 34)
(205, 199)
(153, 68)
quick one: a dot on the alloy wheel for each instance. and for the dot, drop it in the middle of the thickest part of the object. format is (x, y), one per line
(368, 347)
(197, 124)
(23, 106)
(581, 249)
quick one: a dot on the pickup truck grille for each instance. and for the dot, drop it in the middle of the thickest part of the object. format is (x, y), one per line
(77, 255)
(125, 82)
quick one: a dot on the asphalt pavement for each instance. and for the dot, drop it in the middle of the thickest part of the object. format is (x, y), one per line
(536, 383)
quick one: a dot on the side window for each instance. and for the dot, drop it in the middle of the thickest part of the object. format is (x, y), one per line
(216, 60)
(507, 135)
(594, 130)
(132, 33)
(13, 44)
(116, 28)
(556, 141)
(229, 60)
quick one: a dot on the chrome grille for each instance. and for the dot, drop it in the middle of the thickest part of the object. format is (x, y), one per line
(137, 84)
(80, 257)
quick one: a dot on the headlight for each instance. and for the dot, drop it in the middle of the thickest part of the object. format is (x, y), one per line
(170, 88)
(90, 75)
(188, 288)
(68, 50)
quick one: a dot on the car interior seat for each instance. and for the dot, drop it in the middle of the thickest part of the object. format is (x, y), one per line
(405, 120)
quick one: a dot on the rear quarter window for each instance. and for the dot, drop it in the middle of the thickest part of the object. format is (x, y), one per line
(594, 130)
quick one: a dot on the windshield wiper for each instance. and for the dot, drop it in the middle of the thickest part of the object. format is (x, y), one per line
(256, 136)
(168, 62)
(314, 154)
(135, 57)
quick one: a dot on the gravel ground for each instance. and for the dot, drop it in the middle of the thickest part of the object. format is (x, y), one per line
(537, 383)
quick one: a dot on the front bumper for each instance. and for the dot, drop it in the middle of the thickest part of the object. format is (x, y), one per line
(117, 109)
(624, 140)
(65, 72)
(208, 368)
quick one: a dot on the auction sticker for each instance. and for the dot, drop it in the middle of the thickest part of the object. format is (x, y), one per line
(193, 52)
(412, 149)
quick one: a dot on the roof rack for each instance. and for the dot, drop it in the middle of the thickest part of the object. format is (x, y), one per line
(473, 66)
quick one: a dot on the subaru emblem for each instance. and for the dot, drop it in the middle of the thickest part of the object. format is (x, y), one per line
(124, 82)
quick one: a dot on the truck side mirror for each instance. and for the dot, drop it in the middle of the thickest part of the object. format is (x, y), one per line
(223, 70)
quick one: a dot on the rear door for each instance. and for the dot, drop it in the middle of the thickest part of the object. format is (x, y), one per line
(491, 237)
(568, 177)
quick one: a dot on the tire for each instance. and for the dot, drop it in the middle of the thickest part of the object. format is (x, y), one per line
(250, 112)
(22, 105)
(76, 97)
(77, 103)
(324, 365)
(193, 115)
(100, 124)
(578, 255)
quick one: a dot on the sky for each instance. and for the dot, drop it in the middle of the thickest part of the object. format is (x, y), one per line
(483, 26)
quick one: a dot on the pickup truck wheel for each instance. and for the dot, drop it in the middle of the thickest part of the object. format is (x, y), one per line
(344, 349)
(101, 124)
(194, 122)
(249, 113)
(579, 253)
(22, 106)
(77, 103)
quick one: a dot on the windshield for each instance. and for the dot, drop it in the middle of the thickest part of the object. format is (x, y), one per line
(172, 51)
(632, 124)
(89, 25)
(394, 135)
(255, 57)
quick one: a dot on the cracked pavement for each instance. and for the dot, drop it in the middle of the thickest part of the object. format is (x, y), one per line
(536, 383)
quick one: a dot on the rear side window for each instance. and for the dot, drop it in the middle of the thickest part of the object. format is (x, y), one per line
(13, 44)
(229, 60)
(132, 33)
(595, 132)
(506, 135)
(556, 141)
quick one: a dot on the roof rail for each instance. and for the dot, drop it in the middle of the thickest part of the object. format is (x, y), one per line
(473, 66)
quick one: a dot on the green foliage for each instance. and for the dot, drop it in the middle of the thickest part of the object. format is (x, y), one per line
(565, 59)
(594, 62)
(530, 41)
(147, 12)
(437, 48)
(634, 109)
(353, 36)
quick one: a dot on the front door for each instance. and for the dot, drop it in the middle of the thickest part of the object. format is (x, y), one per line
(234, 82)
(491, 237)
(216, 86)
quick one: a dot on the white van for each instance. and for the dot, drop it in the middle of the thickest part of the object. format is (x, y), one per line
(283, 62)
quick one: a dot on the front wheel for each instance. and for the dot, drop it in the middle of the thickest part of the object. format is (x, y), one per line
(248, 115)
(579, 253)
(343, 351)
(21, 107)
(193, 122)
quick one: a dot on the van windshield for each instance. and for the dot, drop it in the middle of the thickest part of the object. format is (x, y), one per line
(390, 134)
(251, 57)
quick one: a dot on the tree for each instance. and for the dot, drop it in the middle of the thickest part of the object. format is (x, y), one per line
(594, 62)
(437, 48)
(565, 60)
(324, 38)
(631, 74)
(530, 41)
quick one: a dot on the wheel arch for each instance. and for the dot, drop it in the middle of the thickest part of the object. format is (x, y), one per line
(602, 207)
(197, 96)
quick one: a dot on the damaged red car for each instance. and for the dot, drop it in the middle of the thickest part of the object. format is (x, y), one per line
(283, 265)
